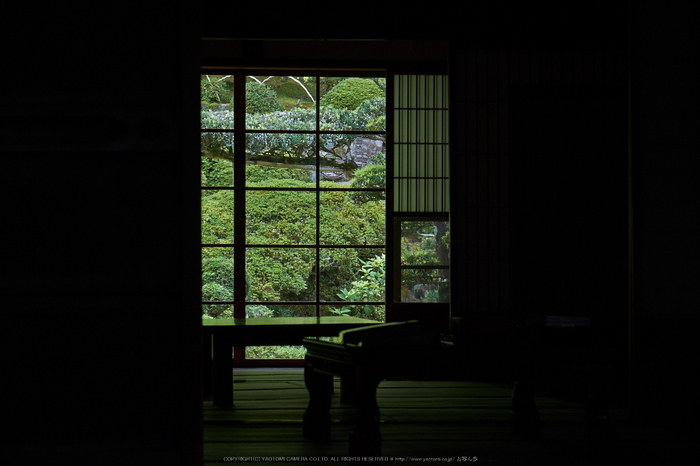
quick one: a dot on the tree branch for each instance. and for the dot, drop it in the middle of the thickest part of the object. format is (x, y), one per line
(307, 91)
(293, 79)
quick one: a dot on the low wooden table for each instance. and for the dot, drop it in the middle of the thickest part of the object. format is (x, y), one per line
(263, 331)
(362, 368)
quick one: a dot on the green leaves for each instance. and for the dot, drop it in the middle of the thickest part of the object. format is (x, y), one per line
(280, 223)
(425, 243)
(369, 176)
(215, 89)
(369, 116)
(260, 99)
(217, 217)
(216, 119)
(368, 288)
(351, 92)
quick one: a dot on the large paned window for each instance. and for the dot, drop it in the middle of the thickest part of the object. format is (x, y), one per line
(294, 181)
(317, 200)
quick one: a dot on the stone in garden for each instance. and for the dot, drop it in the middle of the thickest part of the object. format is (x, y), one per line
(362, 149)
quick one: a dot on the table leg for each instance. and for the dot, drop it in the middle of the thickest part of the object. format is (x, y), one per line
(365, 438)
(525, 416)
(222, 375)
(347, 390)
(602, 438)
(206, 365)
(317, 418)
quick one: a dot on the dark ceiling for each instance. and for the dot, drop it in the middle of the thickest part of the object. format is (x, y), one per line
(521, 24)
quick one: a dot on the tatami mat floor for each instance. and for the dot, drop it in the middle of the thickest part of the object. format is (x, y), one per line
(426, 422)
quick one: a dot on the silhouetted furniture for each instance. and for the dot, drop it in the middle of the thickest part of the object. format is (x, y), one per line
(223, 334)
(362, 361)
(564, 356)
(403, 350)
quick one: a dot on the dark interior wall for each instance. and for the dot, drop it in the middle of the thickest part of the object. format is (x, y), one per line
(663, 126)
(569, 209)
(666, 230)
(99, 333)
(98, 302)
(539, 160)
(504, 107)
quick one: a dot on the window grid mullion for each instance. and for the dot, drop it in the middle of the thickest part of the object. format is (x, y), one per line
(239, 168)
(317, 277)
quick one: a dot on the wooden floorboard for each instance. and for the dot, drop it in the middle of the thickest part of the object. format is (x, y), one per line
(451, 421)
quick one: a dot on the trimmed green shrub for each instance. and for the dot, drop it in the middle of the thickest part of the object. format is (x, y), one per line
(372, 175)
(275, 352)
(215, 90)
(369, 115)
(351, 92)
(260, 99)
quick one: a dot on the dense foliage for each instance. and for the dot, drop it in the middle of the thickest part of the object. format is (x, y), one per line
(371, 176)
(293, 147)
(289, 217)
(425, 243)
(370, 286)
(216, 90)
(351, 92)
(260, 99)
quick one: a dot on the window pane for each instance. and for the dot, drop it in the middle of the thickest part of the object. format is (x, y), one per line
(372, 312)
(280, 159)
(353, 160)
(219, 144)
(280, 217)
(216, 172)
(425, 245)
(217, 311)
(220, 117)
(286, 103)
(217, 159)
(217, 216)
(425, 285)
(280, 274)
(217, 274)
(353, 104)
(352, 218)
(352, 274)
(280, 310)
(425, 242)
(283, 175)
(275, 352)
(216, 97)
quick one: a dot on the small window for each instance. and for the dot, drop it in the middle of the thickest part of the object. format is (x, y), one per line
(424, 259)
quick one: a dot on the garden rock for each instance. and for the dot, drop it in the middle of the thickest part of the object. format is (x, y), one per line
(362, 149)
